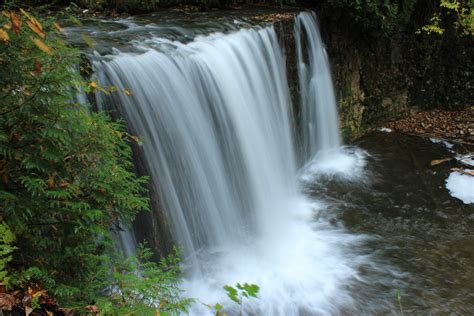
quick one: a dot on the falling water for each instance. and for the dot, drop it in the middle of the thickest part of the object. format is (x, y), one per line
(214, 117)
(319, 119)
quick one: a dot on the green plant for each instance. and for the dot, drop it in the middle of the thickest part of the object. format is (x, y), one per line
(463, 13)
(66, 174)
(6, 248)
(140, 286)
(238, 293)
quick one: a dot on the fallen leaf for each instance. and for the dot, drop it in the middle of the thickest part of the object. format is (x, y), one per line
(93, 309)
(42, 46)
(39, 293)
(4, 36)
(469, 172)
(6, 301)
(464, 171)
(439, 161)
(26, 300)
(28, 310)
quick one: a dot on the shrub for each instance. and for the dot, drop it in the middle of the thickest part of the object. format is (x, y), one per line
(66, 177)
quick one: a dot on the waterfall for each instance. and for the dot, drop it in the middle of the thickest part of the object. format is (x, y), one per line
(217, 141)
(319, 124)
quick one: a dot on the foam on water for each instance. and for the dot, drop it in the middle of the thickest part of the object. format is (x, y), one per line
(461, 186)
(345, 163)
(308, 269)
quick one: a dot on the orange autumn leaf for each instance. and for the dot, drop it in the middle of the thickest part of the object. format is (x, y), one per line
(15, 22)
(439, 161)
(4, 36)
(34, 24)
(36, 27)
(42, 46)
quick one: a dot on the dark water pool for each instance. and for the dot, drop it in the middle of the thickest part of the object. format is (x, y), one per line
(421, 238)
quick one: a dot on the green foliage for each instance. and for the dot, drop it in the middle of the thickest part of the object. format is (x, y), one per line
(66, 176)
(463, 13)
(142, 287)
(238, 293)
(6, 240)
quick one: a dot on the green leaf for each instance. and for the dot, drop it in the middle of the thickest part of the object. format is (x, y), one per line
(218, 307)
(232, 294)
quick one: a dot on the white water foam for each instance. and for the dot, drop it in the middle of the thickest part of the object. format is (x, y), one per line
(461, 186)
(306, 270)
(345, 163)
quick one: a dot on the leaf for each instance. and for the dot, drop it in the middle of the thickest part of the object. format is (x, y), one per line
(464, 171)
(93, 309)
(28, 310)
(251, 289)
(232, 294)
(218, 307)
(15, 22)
(4, 36)
(439, 161)
(35, 26)
(93, 84)
(6, 301)
(41, 45)
(127, 92)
